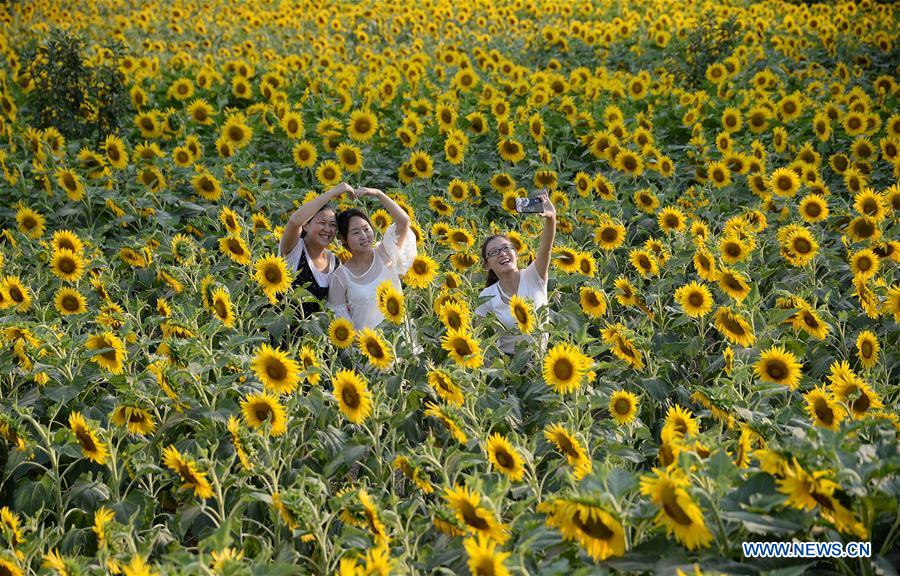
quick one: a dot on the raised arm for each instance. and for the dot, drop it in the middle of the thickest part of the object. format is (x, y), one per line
(304, 213)
(400, 217)
(542, 259)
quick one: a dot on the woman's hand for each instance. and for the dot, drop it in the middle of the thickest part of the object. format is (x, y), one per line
(363, 191)
(341, 189)
(549, 208)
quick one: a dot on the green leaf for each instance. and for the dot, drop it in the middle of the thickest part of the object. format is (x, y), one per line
(88, 494)
(30, 497)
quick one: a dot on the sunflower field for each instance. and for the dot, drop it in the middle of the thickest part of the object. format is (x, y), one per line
(721, 358)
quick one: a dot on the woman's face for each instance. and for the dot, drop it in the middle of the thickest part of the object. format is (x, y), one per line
(360, 236)
(500, 256)
(321, 229)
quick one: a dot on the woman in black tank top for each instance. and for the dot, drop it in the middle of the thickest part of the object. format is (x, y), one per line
(304, 245)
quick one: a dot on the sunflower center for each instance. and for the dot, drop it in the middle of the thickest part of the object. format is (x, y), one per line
(69, 182)
(84, 438)
(362, 126)
(374, 349)
(262, 413)
(504, 459)
(473, 518)
(866, 349)
(673, 509)
(521, 314)
(273, 275)
(341, 333)
(350, 396)
(864, 264)
(861, 404)
(802, 246)
(622, 406)
(66, 265)
(672, 221)
(695, 299)
(563, 369)
(461, 346)
(454, 320)
(393, 306)
(776, 369)
(810, 320)
(733, 325)
(593, 527)
(235, 247)
(276, 370)
(70, 303)
(732, 282)
(235, 133)
(221, 309)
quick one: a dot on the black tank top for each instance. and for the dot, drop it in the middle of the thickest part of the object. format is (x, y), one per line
(304, 277)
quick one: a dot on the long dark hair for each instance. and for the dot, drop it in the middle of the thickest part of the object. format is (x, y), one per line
(343, 220)
(491, 277)
(325, 207)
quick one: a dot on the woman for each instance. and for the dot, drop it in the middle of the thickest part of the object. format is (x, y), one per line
(304, 245)
(354, 285)
(505, 280)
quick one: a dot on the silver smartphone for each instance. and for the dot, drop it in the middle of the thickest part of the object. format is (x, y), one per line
(530, 205)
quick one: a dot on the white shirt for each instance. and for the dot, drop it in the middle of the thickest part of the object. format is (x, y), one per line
(353, 296)
(292, 258)
(531, 287)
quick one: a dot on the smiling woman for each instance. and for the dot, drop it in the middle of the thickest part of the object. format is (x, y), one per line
(354, 287)
(304, 246)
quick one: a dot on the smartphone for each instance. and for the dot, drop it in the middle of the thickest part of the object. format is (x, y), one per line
(530, 205)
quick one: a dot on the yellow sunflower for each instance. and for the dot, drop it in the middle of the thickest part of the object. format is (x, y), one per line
(593, 301)
(14, 293)
(571, 448)
(695, 299)
(341, 333)
(111, 353)
(823, 408)
(463, 348)
(222, 307)
(186, 468)
(69, 301)
(867, 348)
(272, 274)
(594, 529)
(504, 457)
(442, 383)
(778, 366)
(374, 348)
(362, 125)
(352, 394)
(733, 283)
(564, 367)
(734, 327)
(262, 407)
(422, 272)
(277, 371)
(91, 446)
(484, 558)
(390, 302)
(522, 313)
(235, 248)
(623, 406)
(138, 420)
(31, 223)
(678, 512)
(466, 506)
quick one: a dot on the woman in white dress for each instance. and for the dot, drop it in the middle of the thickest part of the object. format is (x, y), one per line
(304, 245)
(505, 280)
(353, 288)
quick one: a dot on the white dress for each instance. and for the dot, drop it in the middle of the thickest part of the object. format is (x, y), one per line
(352, 296)
(531, 287)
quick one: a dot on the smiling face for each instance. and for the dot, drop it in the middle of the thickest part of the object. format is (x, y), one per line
(500, 255)
(360, 236)
(320, 230)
